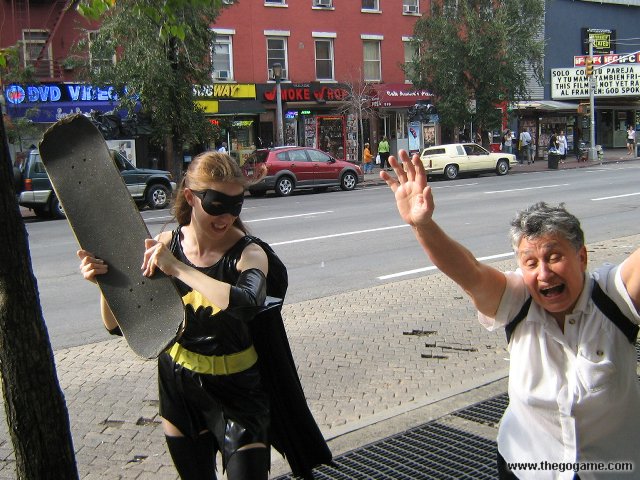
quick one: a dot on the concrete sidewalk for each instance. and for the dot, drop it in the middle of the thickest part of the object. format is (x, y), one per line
(373, 362)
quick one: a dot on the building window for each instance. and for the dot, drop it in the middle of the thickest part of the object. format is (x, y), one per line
(277, 53)
(410, 54)
(275, 2)
(371, 5)
(372, 63)
(410, 7)
(323, 3)
(36, 53)
(324, 59)
(222, 58)
(98, 56)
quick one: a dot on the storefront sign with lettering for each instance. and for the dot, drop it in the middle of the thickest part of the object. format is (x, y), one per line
(311, 92)
(226, 90)
(610, 81)
(579, 60)
(58, 92)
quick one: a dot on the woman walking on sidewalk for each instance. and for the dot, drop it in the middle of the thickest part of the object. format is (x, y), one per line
(631, 140)
(219, 392)
(573, 385)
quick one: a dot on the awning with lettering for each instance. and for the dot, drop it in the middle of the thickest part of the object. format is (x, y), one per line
(397, 95)
(545, 105)
(51, 112)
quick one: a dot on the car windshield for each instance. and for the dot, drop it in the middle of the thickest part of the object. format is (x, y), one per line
(121, 162)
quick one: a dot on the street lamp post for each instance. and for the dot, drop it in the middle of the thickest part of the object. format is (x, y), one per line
(277, 76)
(592, 109)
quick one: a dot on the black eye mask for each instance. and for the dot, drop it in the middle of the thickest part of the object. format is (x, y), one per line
(217, 203)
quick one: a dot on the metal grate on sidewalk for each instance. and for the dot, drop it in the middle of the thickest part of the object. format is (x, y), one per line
(431, 451)
(488, 412)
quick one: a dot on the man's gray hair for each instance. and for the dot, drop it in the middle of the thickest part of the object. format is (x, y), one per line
(541, 219)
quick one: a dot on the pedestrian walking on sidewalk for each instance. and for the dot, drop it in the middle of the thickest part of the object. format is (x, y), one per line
(228, 384)
(525, 146)
(367, 159)
(384, 150)
(631, 140)
(573, 386)
(563, 146)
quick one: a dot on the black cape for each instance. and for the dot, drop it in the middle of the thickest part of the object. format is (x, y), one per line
(294, 432)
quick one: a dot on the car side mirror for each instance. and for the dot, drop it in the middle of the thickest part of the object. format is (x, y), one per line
(332, 160)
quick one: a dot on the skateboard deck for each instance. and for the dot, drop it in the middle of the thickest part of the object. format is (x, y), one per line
(106, 222)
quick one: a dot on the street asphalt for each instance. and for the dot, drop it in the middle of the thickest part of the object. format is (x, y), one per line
(373, 362)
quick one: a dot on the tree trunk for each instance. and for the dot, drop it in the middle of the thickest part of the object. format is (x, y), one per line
(36, 412)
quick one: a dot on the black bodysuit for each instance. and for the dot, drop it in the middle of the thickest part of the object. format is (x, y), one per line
(235, 407)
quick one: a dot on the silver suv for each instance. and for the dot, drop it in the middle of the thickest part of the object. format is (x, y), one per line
(147, 186)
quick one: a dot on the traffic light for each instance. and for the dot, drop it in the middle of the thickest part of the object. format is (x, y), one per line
(588, 66)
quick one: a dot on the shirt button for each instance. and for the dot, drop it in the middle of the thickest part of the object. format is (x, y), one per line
(572, 321)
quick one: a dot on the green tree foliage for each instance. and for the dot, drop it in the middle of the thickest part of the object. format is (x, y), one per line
(477, 52)
(162, 49)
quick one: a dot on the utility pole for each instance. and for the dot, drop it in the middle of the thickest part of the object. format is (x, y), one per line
(592, 110)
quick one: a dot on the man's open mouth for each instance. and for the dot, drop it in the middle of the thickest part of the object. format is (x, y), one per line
(552, 291)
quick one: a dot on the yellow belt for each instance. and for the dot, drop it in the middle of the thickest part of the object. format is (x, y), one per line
(214, 364)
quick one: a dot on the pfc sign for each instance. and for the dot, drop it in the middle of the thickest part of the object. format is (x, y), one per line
(610, 81)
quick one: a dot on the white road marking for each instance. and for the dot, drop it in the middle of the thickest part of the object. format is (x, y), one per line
(615, 196)
(529, 188)
(427, 269)
(286, 216)
(344, 234)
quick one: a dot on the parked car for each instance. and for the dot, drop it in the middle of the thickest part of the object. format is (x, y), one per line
(294, 168)
(453, 159)
(147, 186)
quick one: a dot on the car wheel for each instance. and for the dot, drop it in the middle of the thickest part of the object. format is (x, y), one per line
(56, 208)
(284, 186)
(158, 196)
(257, 193)
(348, 181)
(41, 212)
(451, 171)
(502, 168)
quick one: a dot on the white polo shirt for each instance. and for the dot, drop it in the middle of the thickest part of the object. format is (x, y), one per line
(573, 397)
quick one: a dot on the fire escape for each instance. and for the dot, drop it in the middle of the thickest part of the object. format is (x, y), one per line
(36, 40)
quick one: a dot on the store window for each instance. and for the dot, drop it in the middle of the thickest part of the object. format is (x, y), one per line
(36, 53)
(372, 63)
(331, 135)
(277, 53)
(222, 58)
(324, 59)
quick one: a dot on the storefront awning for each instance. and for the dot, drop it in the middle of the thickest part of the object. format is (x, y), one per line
(545, 105)
(397, 95)
(54, 111)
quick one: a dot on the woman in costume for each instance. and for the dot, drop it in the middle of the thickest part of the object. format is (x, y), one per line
(212, 390)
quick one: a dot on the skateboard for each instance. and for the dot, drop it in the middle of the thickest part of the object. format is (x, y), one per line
(106, 222)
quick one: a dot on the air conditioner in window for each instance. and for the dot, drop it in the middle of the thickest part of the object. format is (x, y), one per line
(283, 75)
(221, 74)
(410, 9)
(323, 3)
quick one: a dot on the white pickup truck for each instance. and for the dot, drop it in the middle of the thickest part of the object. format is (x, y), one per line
(453, 159)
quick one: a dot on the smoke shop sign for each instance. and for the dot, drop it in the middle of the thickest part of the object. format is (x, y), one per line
(303, 93)
(610, 81)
